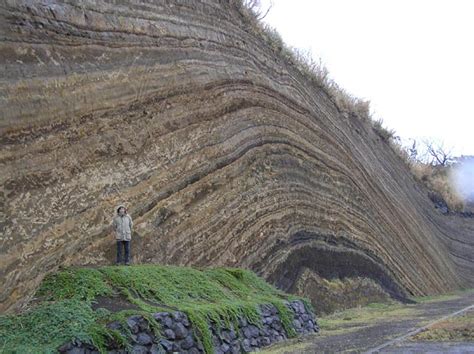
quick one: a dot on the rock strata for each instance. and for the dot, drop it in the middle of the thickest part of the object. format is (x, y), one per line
(225, 154)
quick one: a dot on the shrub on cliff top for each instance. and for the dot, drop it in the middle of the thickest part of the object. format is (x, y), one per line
(314, 71)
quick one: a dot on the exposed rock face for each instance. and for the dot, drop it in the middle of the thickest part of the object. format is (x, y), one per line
(330, 295)
(224, 154)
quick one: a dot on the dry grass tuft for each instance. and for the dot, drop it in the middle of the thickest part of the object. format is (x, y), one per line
(314, 71)
(460, 328)
(437, 180)
(385, 133)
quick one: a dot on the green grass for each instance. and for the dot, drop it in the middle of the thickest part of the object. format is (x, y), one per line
(342, 322)
(436, 298)
(221, 295)
(298, 345)
(361, 316)
(443, 297)
(48, 326)
(374, 312)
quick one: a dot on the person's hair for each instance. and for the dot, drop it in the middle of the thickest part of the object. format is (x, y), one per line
(120, 207)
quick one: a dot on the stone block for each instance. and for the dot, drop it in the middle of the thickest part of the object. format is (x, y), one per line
(187, 343)
(180, 331)
(144, 338)
(169, 334)
(139, 349)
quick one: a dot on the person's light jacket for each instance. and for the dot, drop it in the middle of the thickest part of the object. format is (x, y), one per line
(122, 226)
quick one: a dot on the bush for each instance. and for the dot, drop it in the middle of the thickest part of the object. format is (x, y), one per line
(384, 133)
(438, 180)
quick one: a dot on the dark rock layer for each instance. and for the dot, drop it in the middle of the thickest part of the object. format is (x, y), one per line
(225, 155)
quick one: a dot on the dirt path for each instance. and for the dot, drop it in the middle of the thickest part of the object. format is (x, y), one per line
(363, 336)
(399, 341)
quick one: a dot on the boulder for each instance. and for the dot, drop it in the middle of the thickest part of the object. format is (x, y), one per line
(180, 331)
(187, 342)
(133, 325)
(297, 324)
(139, 349)
(166, 344)
(169, 334)
(157, 349)
(245, 345)
(144, 339)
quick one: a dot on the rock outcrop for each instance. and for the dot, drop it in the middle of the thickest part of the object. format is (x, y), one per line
(224, 153)
(331, 295)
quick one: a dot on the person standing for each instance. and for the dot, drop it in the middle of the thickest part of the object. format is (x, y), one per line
(122, 225)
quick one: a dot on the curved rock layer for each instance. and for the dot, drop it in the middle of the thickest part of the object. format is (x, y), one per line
(225, 155)
(331, 295)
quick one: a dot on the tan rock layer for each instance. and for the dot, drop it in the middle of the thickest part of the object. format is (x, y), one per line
(225, 155)
(335, 295)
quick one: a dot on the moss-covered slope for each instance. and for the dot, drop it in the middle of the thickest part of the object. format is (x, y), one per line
(69, 303)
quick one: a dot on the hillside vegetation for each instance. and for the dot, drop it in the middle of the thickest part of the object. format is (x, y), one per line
(69, 304)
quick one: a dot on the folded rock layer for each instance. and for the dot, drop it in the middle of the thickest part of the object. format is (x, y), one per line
(224, 153)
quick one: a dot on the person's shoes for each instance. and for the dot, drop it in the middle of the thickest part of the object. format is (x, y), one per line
(118, 263)
(127, 263)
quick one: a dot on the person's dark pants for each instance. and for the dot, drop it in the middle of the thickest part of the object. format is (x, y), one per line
(126, 246)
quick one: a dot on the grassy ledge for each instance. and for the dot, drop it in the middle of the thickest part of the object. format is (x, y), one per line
(68, 304)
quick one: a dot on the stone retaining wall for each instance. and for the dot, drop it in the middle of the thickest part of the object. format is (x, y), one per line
(178, 336)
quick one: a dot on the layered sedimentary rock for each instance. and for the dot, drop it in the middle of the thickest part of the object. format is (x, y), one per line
(224, 154)
(330, 295)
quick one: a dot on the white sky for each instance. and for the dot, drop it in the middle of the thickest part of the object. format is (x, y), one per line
(414, 60)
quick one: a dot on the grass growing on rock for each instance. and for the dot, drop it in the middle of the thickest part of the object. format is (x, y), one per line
(66, 310)
(49, 325)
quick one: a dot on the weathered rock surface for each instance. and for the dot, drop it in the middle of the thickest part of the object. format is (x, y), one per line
(330, 295)
(224, 154)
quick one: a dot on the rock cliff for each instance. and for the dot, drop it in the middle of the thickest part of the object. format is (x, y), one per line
(224, 153)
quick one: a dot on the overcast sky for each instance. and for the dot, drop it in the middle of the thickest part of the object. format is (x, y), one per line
(414, 60)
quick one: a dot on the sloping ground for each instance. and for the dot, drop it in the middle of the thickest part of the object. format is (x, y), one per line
(72, 304)
(459, 329)
(224, 153)
(382, 328)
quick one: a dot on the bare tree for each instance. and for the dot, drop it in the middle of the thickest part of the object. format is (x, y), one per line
(256, 7)
(413, 151)
(437, 154)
